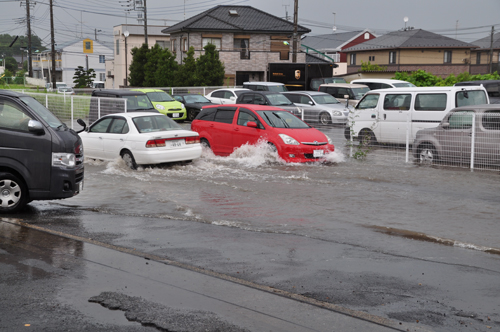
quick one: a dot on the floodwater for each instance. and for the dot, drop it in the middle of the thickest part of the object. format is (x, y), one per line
(344, 200)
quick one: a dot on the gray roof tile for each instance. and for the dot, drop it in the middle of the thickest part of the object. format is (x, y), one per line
(332, 41)
(484, 43)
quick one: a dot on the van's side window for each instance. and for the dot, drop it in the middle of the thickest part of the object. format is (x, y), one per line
(430, 102)
(12, 116)
(398, 102)
(368, 102)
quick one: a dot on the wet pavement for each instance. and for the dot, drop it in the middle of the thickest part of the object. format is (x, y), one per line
(414, 245)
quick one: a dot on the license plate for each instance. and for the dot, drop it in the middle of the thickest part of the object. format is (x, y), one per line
(175, 144)
(175, 115)
(318, 153)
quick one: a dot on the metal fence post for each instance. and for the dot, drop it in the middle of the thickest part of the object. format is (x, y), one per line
(72, 111)
(472, 142)
(47, 101)
(408, 128)
(98, 107)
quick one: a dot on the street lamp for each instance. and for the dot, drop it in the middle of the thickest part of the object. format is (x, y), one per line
(126, 34)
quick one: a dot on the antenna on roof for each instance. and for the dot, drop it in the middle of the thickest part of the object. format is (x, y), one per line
(334, 26)
(405, 19)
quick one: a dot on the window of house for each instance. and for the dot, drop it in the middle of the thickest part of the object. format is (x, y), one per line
(371, 58)
(367, 35)
(102, 58)
(184, 47)
(447, 56)
(173, 45)
(162, 43)
(392, 57)
(102, 77)
(243, 46)
(117, 47)
(210, 40)
(478, 58)
(88, 45)
(352, 59)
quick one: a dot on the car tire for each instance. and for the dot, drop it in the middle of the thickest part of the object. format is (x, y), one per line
(427, 153)
(128, 158)
(367, 137)
(204, 143)
(13, 193)
(272, 147)
(191, 115)
(325, 118)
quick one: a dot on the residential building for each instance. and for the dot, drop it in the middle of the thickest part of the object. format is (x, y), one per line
(115, 68)
(87, 53)
(332, 45)
(247, 40)
(486, 53)
(412, 49)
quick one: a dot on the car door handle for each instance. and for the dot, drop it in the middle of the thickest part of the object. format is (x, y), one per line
(236, 129)
(385, 116)
(373, 116)
(100, 137)
(121, 139)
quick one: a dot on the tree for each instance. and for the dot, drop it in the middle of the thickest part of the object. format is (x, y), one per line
(11, 64)
(136, 68)
(151, 66)
(209, 69)
(186, 76)
(83, 78)
(167, 69)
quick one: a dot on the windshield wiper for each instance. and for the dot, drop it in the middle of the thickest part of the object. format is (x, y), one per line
(279, 117)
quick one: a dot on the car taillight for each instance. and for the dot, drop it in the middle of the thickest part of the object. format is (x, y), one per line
(193, 139)
(155, 143)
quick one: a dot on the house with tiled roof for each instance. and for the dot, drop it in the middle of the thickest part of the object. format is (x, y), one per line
(410, 50)
(481, 56)
(332, 45)
(247, 40)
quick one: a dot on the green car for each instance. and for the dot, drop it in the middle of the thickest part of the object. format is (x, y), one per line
(165, 104)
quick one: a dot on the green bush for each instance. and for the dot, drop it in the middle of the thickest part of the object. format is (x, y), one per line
(423, 78)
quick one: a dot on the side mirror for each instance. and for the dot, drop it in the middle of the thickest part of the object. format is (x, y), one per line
(311, 102)
(252, 124)
(81, 123)
(445, 125)
(35, 127)
(233, 98)
(346, 96)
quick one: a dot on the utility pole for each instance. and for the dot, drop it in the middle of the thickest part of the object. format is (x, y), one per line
(28, 21)
(491, 49)
(295, 30)
(145, 24)
(53, 46)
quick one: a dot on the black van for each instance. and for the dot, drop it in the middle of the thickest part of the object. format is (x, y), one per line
(40, 157)
(133, 101)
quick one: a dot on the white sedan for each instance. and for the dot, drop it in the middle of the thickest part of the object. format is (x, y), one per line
(225, 96)
(140, 139)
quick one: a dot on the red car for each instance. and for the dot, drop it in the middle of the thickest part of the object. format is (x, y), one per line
(224, 128)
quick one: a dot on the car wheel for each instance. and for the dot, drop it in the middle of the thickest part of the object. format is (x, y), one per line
(347, 133)
(325, 118)
(367, 137)
(128, 158)
(191, 115)
(272, 147)
(427, 154)
(204, 143)
(13, 193)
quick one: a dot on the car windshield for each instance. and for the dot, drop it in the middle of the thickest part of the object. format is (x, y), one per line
(359, 92)
(404, 85)
(44, 113)
(138, 102)
(335, 80)
(159, 96)
(277, 88)
(154, 123)
(282, 119)
(325, 99)
(278, 99)
(194, 98)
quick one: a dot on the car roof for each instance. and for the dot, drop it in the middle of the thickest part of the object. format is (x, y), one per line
(263, 83)
(428, 88)
(147, 90)
(253, 107)
(232, 89)
(311, 93)
(479, 108)
(378, 80)
(345, 85)
(11, 93)
(132, 115)
(261, 92)
(116, 92)
(477, 82)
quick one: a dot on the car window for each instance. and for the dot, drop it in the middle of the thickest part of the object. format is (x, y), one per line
(117, 126)
(358, 93)
(278, 99)
(294, 98)
(12, 116)
(259, 100)
(41, 111)
(461, 120)
(430, 102)
(465, 98)
(206, 114)
(178, 98)
(277, 88)
(282, 119)
(101, 126)
(245, 117)
(138, 102)
(224, 116)
(491, 120)
(247, 98)
(260, 88)
(194, 98)
(325, 99)
(404, 85)
(228, 94)
(154, 123)
(400, 102)
(368, 102)
(159, 96)
(218, 94)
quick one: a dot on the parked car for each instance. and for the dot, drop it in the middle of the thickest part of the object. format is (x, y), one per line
(381, 83)
(131, 101)
(66, 90)
(165, 104)
(269, 98)
(458, 137)
(265, 86)
(344, 92)
(316, 82)
(225, 96)
(319, 107)
(491, 86)
(224, 128)
(192, 102)
(140, 139)
(40, 157)
(395, 115)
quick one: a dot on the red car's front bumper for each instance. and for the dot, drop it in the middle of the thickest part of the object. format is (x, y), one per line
(304, 153)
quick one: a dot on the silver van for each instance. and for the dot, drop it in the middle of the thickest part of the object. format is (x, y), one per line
(395, 115)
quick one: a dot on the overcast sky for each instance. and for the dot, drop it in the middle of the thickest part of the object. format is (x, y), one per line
(465, 20)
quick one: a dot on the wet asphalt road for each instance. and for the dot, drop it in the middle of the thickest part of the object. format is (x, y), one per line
(415, 245)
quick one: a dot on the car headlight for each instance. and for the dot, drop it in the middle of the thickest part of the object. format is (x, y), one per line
(337, 113)
(329, 140)
(182, 106)
(288, 140)
(63, 159)
(160, 107)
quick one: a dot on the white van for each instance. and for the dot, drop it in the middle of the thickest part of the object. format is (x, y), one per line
(384, 115)
(382, 83)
